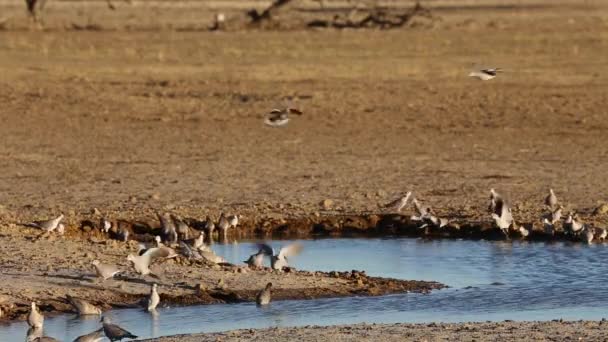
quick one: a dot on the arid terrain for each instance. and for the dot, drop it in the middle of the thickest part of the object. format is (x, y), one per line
(142, 109)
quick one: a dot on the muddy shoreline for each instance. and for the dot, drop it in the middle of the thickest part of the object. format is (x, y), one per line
(45, 267)
(556, 330)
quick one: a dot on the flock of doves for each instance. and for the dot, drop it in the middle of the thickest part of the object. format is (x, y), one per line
(174, 233)
(280, 116)
(502, 216)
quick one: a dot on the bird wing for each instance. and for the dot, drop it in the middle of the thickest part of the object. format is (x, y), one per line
(115, 331)
(266, 249)
(159, 252)
(290, 250)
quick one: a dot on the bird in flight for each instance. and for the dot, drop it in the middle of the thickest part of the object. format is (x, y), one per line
(485, 74)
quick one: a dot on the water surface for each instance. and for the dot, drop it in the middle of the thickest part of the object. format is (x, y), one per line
(489, 281)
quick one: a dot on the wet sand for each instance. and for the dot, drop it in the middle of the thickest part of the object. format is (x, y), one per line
(500, 331)
(45, 269)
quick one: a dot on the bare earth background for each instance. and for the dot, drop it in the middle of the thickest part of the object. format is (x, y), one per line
(141, 108)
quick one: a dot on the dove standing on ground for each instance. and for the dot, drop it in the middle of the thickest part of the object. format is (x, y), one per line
(549, 227)
(551, 200)
(572, 225)
(256, 261)
(279, 261)
(169, 232)
(398, 204)
(154, 298)
(105, 225)
(485, 74)
(48, 225)
(522, 230)
(209, 227)
(34, 318)
(588, 234)
(601, 233)
(95, 336)
(33, 333)
(263, 297)
(233, 220)
(105, 271)
(83, 307)
(113, 331)
(182, 229)
(223, 225)
(556, 215)
(188, 252)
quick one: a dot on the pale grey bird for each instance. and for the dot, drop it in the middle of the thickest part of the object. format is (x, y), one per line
(601, 233)
(189, 252)
(264, 296)
(572, 225)
(209, 227)
(82, 306)
(141, 263)
(399, 203)
(223, 225)
(154, 298)
(233, 220)
(523, 231)
(182, 229)
(495, 199)
(95, 336)
(485, 74)
(48, 225)
(35, 319)
(280, 117)
(113, 331)
(555, 215)
(279, 261)
(551, 200)
(123, 234)
(437, 222)
(143, 248)
(423, 212)
(33, 334)
(549, 227)
(505, 219)
(60, 229)
(169, 232)
(105, 271)
(105, 225)
(588, 234)
(256, 261)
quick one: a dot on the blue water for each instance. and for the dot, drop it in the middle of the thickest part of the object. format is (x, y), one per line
(488, 280)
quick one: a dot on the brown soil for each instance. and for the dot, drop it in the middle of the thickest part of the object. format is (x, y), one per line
(502, 331)
(142, 114)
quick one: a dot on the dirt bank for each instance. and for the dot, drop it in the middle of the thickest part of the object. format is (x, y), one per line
(45, 269)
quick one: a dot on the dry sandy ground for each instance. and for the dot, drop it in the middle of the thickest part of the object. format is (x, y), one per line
(132, 121)
(131, 118)
(502, 331)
